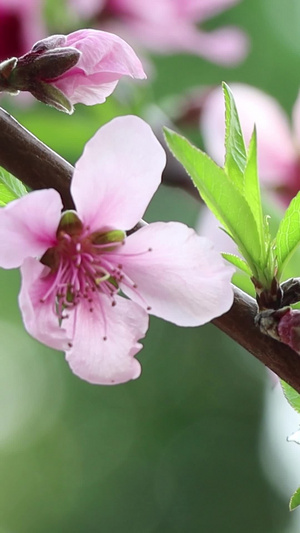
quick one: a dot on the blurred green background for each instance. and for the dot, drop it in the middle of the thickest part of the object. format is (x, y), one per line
(179, 449)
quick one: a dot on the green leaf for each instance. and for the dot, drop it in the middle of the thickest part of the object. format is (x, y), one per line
(295, 500)
(238, 262)
(236, 155)
(241, 167)
(221, 196)
(6, 195)
(288, 235)
(10, 187)
(292, 396)
(252, 188)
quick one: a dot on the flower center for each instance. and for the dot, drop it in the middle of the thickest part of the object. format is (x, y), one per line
(80, 266)
(83, 266)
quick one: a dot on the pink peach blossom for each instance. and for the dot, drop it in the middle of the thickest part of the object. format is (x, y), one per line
(170, 26)
(75, 264)
(278, 140)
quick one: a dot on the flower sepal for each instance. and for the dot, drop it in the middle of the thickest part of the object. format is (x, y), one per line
(50, 95)
(6, 68)
(32, 71)
(42, 66)
(70, 223)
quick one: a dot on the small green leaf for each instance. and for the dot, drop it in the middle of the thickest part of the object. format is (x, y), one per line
(288, 235)
(295, 500)
(10, 188)
(238, 262)
(252, 188)
(241, 167)
(236, 155)
(292, 396)
(222, 197)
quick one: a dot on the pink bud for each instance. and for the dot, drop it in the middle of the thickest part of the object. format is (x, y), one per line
(63, 70)
(289, 329)
(104, 59)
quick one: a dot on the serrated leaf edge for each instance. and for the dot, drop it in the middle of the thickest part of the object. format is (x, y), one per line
(238, 192)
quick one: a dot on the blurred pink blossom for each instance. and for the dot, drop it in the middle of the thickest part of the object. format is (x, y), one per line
(209, 226)
(278, 140)
(170, 26)
(20, 26)
(74, 264)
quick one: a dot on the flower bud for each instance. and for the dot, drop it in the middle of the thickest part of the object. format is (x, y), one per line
(33, 67)
(54, 41)
(32, 71)
(289, 329)
(282, 324)
(268, 321)
(62, 70)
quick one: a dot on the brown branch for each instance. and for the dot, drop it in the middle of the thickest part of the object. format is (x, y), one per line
(30, 160)
(238, 323)
(38, 166)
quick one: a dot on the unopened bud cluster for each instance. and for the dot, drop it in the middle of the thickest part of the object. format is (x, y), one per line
(283, 322)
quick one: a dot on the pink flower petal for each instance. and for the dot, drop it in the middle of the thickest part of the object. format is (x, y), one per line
(28, 226)
(90, 90)
(104, 52)
(118, 173)
(104, 59)
(110, 361)
(276, 153)
(182, 278)
(39, 317)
